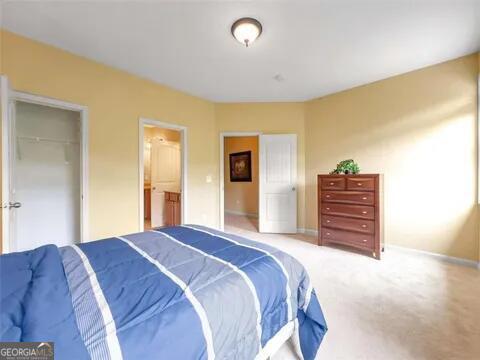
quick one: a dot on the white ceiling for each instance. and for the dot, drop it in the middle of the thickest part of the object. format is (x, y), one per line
(317, 47)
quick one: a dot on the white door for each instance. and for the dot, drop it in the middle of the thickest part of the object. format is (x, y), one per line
(45, 176)
(278, 183)
(8, 206)
(165, 175)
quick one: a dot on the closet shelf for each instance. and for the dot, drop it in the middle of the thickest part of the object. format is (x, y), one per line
(40, 139)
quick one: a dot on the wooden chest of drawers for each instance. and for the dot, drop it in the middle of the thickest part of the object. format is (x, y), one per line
(350, 211)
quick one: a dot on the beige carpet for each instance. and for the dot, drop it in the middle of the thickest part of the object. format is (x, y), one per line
(405, 306)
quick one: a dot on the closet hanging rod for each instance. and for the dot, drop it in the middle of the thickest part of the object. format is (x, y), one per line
(40, 139)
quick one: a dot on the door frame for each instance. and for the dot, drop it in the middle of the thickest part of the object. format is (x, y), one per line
(221, 183)
(184, 166)
(7, 160)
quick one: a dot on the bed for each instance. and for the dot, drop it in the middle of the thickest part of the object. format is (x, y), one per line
(186, 292)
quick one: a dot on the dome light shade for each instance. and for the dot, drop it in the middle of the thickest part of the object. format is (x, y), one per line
(246, 30)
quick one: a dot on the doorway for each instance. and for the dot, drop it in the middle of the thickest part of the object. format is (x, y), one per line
(44, 180)
(162, 174)
(277, 183)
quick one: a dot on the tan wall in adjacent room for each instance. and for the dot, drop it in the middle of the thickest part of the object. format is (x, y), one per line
(418, 129)
(166, 134)
(241, 197)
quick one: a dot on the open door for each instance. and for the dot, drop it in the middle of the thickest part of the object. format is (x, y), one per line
(7, 118)
(165, 176)
(278, 184)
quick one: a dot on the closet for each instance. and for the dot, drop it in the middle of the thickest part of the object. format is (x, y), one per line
(45, 176)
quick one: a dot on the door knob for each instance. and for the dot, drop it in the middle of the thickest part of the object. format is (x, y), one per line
(293, 188)
(14, 205)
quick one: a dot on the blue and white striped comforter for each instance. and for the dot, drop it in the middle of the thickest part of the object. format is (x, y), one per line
(189, 292)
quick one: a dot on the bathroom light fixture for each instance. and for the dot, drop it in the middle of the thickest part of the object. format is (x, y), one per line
(246, 30)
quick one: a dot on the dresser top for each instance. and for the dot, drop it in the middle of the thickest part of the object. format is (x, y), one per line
(348, 175)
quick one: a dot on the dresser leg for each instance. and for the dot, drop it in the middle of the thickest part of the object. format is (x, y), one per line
(320, 241)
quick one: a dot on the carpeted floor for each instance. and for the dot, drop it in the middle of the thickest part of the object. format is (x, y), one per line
(405, 306)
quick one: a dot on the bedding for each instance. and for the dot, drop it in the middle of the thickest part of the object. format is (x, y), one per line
(186, 292)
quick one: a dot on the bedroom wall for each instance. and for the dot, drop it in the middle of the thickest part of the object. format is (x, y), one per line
(1, 72)
(269, 118)
(478, 146)
(389, 126)
(419, 130)
(1, 45)
(116, 100)
(241, 197)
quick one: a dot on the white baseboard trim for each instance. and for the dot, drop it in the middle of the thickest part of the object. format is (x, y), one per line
(241, 213)
(441, 257)
(446, 258)
(309, 232)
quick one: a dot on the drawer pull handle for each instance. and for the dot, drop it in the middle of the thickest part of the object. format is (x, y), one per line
(364, 198)
(327, 196)
(328, 233)
(359, 184)
(327, 208)
(364, 240)
(364, 212)
(332, 183)
(328, 221)
(364, 226)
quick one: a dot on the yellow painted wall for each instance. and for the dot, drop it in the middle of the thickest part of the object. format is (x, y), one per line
(392, 126)
(1, 72)
(478, 145)
(419, 130)
(269, 118)
(116, 100)
(241, 197)
(1, 45)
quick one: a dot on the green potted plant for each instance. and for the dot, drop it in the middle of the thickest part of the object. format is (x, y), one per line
(346, 167)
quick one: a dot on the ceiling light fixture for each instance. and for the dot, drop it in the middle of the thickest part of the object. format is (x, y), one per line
(246, 30)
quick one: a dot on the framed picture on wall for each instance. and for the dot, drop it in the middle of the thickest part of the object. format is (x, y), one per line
(241, 166)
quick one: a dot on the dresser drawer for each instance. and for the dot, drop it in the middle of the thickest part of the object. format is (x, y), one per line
(364, 241)
(349, 197)
(172, 196)
(333, 183)
(356, 211)
(338, 222)
(360, 183)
